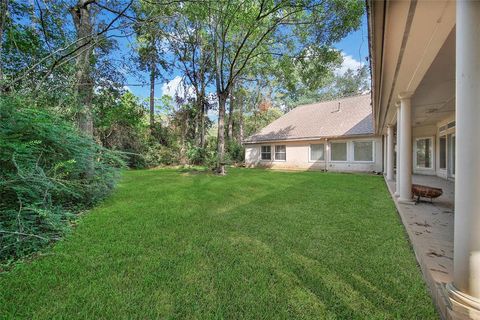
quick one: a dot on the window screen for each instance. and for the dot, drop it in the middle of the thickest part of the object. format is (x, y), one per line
(424, 153)
(281, 152)
(363, 151)
(443, 152)
(266, 153)
(317, 152)
(339, 151)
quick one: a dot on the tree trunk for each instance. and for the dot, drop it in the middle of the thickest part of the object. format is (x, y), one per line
(230, 118)
(196, 127)
(153, 70)
(202, 124)
(84, 82)
(198, 118)
(203, 110)
(240, 120)
(84, 88)
(222, 99)
(183, 138)
(3, 18)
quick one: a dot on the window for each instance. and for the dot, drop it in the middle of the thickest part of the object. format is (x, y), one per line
(281, 152)
(266, 153)
(363, 151)
(443, 152)
(424, 152)
(339, 151)
(317, 152)
(451, 154)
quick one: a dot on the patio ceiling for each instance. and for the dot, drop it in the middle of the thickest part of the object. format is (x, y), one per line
(434, 98)
(405, 40)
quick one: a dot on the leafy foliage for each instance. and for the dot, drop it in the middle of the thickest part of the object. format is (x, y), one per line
(258, 119)
(43, 180)
(352, 82)
(119, 121)
(68, 62)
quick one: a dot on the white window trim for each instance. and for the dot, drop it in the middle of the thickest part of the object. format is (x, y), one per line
(447, 129)
(432, 162)
(346, 154)
(363, 161)
(443, 172)
(310, 153)
(271, 155)
(275, 152)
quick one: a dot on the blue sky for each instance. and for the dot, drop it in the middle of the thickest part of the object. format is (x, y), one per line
(356, 43)
(354, 46)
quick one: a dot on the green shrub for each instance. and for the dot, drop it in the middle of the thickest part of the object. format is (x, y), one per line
(196, 155)
(157, 155)
(202, 156)
(48, 173)
(235, 152)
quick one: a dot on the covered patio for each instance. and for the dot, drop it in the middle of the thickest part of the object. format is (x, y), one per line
(429, 226)
(425, 58)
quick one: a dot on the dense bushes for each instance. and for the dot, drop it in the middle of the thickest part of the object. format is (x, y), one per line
(156, 154)
(48, 173)
(235, 152)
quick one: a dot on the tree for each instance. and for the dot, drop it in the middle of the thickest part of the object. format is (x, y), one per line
(352, 82)
(259, 118)
(189, 43)
(86, 40)
(240, 32)
(31, 39)
(3, 19)
(231, 108)
(245, 51)
(150, 35)
(81, 14)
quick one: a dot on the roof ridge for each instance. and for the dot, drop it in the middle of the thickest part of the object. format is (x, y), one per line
(332, 100)
(318, 120)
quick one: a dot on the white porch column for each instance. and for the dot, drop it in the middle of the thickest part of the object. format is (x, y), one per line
(465, 290)
(384, 148)
(389, 153)
(406, 156)
(397, 176)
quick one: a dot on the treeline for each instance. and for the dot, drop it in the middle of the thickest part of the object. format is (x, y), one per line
(69, 123)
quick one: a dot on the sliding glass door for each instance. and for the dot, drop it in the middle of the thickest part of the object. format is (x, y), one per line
(451, 155)
(447, 149)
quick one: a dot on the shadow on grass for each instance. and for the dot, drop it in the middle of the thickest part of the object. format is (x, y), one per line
(253, 244)
(376, 282)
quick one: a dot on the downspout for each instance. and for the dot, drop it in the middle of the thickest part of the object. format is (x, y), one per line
(327, 153)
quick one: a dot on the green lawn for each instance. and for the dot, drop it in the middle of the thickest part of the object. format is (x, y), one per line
(172, 244)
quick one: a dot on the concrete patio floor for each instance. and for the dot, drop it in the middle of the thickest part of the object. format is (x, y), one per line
(430, 229)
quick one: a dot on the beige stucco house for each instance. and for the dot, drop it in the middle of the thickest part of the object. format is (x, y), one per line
(425, 68)
(425, 59)
(335, 135)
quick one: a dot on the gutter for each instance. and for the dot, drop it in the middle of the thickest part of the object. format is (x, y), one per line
(367, 135)
(373, 62)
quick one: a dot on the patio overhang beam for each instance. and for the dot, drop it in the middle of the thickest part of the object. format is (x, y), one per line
(405, 38)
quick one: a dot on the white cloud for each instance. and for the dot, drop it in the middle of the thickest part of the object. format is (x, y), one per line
(176, 87)
(349, 62)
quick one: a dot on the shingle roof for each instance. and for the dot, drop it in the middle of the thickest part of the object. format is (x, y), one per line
(337, 118)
